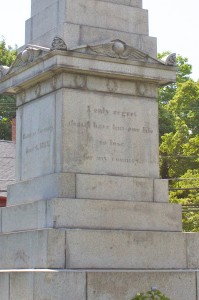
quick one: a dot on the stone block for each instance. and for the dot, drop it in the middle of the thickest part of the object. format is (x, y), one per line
(45, 187)
(92, 214)
(104, 135)
(89, 83)
(192, 250)
(0, 219)
(135, 3)
(95, 285)
(41, 285)
(197, 282)
(161, 190)
(60, 285)
(75, 35)
(37, 6)
(114, 188)
(177, 285)
(89, 35)
(103, 214)
(37, 135)
(32, 249)
(125, 249)
(21, 286)
(4, 286)
(24, 217)
(42, 23)
(100, 14)
(148, 45)
(107, 15)
(70, 33)
(28, 33)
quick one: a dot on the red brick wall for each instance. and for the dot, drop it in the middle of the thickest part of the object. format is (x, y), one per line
(2, 201)
(14, 130)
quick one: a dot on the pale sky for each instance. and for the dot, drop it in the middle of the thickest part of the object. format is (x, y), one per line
(175, 23)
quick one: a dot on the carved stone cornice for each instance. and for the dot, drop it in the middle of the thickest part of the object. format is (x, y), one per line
(58, 44)
(117, 49)
(30, 54)
(114, 59)
(171, 60)
(3, 70)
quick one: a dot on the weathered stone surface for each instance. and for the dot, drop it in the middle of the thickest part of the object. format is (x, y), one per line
(67, 185)
(21, 286)
(192, 250)
(125, 249)
(107, 15)
(0, 219)
(45, 187)
(161, 190)
(136, 3)
(93, 214)
(104, 135)
(104, 214)
(41, 285)
(130, 69)
(24, 217)
(82, 35)
(37, 5)
(197, 278)
(4, 286)
(37, 137)
(92, 285)
(94, 249)
(89, 83)
(106, 187)
(73, 285)
(177, 285)
(32, 249)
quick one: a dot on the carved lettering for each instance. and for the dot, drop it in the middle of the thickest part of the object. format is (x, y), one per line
(118, 128)
(147, 130)
(113, 143)
(111, 134)
(100, 126)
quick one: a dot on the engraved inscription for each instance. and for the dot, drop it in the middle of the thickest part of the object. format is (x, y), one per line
(35, 134)
(115, 127)
(104, 134)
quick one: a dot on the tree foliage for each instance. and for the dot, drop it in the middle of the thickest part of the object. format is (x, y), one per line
(179, 139)
(153, 294)
(7, 103)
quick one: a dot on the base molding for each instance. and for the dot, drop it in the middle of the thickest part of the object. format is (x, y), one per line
(96, 285)
(88, 186)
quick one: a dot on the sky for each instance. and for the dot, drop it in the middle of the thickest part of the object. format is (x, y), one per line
(175, 23)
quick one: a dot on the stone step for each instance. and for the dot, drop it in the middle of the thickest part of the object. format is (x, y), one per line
(98, 249)
(85, 186)
(95, 285)
(92, 214)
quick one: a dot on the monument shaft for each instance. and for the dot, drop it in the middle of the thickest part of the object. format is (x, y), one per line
(89, 218)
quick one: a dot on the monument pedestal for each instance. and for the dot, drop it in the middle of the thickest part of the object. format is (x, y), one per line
(89, 218)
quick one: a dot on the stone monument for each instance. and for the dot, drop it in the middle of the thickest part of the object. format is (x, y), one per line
(89, 218)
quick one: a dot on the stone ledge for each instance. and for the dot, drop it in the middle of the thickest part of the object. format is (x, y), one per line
(95, 285)
(71, 61)
(84, 186)
(93, 214)
(98, 249)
